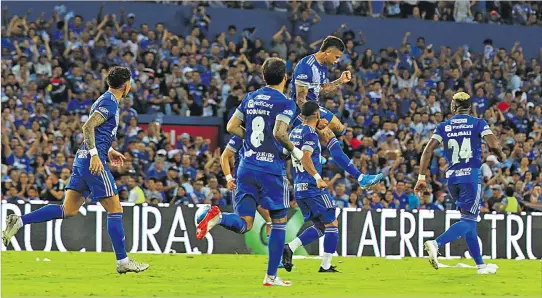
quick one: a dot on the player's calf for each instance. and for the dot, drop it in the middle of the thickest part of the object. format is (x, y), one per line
(331, 239)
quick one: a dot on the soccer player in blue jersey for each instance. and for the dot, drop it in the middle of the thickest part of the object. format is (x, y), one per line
(230, 157)
(308, 81)
(261, 121)
(461, 137)
(311, 192)
(90, 175)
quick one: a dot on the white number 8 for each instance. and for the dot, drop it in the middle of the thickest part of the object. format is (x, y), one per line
(257, 136)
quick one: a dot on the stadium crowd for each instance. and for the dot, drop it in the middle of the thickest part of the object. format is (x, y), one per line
(53, 70)
(492, 12)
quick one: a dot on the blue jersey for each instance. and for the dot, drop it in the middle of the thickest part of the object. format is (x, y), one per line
(308, 73)
(259, 110)
(235, 145)
(461, 137)
(305, 138)
(107, 106)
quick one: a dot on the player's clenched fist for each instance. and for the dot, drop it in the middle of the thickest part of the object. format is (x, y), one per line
(346, 76)
(96, 166)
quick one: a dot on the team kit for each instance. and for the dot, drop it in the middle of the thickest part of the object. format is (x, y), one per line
(270, 130)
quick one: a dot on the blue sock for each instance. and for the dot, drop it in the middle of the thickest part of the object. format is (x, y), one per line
(43, 214)
(277, 239)
(331, 239)
(342, 159)
(310, 234)
(116, 233)
(455, 232)
(472, 242)
(233, 222)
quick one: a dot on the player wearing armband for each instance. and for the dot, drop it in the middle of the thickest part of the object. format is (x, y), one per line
(261, 121)
(461, 137)
(308, 81)
(311, 192)
(90, 176)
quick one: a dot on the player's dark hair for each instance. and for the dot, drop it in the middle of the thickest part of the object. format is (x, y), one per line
(309, 108)
(274, 70)
(118, 76)
(332, 42)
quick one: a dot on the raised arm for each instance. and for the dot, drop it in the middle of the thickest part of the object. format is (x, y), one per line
(327, 88)
(494, 145)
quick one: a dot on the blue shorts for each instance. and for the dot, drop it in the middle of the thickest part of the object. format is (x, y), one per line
(468, 196)
(324, 114)
(99, 186)
(319, 209)
(257, 188)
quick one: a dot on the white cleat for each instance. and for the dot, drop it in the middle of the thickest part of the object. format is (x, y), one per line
(276, 281)
(432, 250)
(13, 224)
(487, 269)
(131, 266)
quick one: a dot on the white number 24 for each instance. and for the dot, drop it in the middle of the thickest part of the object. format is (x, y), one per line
(462, 151)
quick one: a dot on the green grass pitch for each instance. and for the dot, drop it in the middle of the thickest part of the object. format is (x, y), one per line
(93, 274)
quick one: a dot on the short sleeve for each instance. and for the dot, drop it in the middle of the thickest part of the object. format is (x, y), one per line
(303, 75)
(286, 114)
(484, 128)
(310, 141)
(107, 108)
(438, 133)
(234, 144)
(240, 111)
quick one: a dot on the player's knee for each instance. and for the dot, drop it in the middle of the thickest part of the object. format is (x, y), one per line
(320, 226)
(249, 221)
(70, 212)
(278, 216)
(335, 223)
(325, 135)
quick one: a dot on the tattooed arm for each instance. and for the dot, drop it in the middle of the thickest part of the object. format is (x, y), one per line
(330, 87)
(301, 92)
(280, 132)
(95, 120)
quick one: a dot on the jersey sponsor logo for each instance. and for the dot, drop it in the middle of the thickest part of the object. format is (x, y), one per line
(301, 186)
(459, 173)
(265, 156)
(288, 112)
(447, 128)
(302, 76)
(458, 121)
(104, 111)
(231, 142)
(309, 143)
(486, 127)
(463, 126)
(257, 112)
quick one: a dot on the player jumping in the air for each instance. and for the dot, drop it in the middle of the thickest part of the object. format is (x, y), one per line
(308, 81)
(462, 139)
(261, 177)
(91, 175)
(229, 157)
(311, 192)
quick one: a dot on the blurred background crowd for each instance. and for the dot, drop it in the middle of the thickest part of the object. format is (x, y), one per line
(54, 67)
